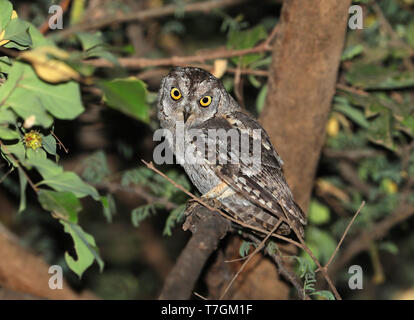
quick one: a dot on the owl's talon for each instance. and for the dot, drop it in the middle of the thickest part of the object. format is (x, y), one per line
(190, 207)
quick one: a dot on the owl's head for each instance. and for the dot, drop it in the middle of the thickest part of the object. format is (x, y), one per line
(192, 95)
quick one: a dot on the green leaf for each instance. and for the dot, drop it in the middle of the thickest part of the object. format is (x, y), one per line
(38, 38)
(61, 100)
(109, 206)
(89, 40)
(304, 266)
(63, 203)
(176, 216)
(18, 150)
(85, 248)
(6, 9)
(272, 248)
(49, 144)
(26, 105)
(141, 213)
(245, 248)
(128, 96)
(46, 167)
(102, 52)
(370, 76)
(321, 243)
(56, 178)
(318, 213)
(389, 247)
(7, 116)
(342, 105)
(94, 46)
(70, 181)
(28, 95)
(17, 31)
(23, 185)
(326, 294)
(380, 130)
(8, 134)
(352, 52)
(96, 168)
(408, 121)
(261, 98)
(246, 39)
(5, 64)
(410, 34)
(136, 176)
(15, 75)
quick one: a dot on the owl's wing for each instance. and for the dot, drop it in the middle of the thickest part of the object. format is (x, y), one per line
(263, 182)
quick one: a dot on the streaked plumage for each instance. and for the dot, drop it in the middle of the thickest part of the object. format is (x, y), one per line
(253, 194)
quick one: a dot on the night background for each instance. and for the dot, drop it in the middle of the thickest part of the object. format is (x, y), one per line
(78, 113)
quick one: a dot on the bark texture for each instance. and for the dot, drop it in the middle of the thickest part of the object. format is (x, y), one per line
(301, 85)
(208, 229)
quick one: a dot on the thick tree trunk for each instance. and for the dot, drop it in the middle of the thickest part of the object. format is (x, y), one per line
(301, 85)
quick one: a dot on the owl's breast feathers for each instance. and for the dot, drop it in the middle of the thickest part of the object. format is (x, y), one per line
(263, 184)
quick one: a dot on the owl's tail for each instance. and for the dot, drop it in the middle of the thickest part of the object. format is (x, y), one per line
(296, 215)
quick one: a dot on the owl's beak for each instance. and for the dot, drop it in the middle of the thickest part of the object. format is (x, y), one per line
(186, 114)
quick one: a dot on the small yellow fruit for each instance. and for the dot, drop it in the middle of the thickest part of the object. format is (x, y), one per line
(370, 20)
(389, 186)
(332, 127)
(33, 139)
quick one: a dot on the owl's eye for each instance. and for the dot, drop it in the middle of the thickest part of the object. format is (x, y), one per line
(205, 101)
(175, 94)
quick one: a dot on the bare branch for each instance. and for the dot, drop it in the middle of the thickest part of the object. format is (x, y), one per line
(208, 229)
(143, 15)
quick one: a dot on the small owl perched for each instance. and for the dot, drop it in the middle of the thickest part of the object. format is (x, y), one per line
(193, 100)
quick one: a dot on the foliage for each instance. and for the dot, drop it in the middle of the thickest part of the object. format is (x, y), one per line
(47, 84)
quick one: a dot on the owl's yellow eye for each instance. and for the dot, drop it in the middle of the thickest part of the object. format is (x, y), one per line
(175, 94)
(205, 101)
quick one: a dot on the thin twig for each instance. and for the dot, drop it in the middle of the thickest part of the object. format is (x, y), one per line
(301, 245)
(343, 236)
(59, 142)
(138, 63)
(150, 166)
(277, 258)
(200, 296)
(310, 253)
(142, 15)
(6, 175)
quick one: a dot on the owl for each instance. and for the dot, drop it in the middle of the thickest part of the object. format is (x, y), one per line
(192, 104)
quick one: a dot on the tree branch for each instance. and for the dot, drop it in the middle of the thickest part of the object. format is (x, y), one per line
(208, 229)
(363, 241)
(143, 15)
